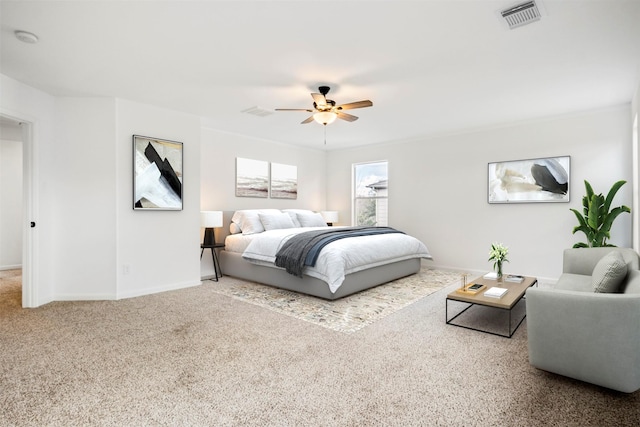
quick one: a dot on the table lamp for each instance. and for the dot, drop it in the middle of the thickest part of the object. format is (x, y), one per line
(330, 217)
(210, 220)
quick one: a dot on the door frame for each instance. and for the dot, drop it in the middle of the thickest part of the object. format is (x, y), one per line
(29, 255)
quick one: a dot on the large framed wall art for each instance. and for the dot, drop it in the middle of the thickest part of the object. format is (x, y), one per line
(529, 181)
(157, 174)
(252, 178)
(284, 181)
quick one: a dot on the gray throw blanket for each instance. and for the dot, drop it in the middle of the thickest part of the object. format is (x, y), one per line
(303, 249)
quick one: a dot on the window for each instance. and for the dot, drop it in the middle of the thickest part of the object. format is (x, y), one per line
(371, 192)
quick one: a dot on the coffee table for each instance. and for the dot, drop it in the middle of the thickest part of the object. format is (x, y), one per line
(513, 296)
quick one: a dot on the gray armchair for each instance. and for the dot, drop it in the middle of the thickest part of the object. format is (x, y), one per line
(576, 332)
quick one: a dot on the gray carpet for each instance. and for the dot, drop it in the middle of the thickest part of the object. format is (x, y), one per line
(195, 357)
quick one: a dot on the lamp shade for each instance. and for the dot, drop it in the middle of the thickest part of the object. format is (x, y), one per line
(325, 117)
(330, 216)
(211, 219)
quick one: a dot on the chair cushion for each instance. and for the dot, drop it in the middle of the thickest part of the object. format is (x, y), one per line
(574, 282)
(609, 273)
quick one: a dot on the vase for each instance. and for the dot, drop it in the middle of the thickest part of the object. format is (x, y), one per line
(499, 271)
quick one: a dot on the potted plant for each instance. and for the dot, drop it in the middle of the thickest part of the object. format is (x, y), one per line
(498, 255)
(597, 217)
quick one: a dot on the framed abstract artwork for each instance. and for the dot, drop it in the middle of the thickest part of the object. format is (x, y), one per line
(157, 174)
(284, 181)
(529, 181)
(252, 178)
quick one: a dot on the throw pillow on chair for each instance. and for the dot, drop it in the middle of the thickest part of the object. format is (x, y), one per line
(609, 273)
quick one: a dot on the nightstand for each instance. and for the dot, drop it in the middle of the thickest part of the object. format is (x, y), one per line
(216, 264)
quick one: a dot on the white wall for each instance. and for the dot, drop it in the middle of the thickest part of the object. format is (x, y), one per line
(106, 250)
(10, 198)
(84, 213)
(438, 189)
(156, 250)
(218, 174)
(86, 228)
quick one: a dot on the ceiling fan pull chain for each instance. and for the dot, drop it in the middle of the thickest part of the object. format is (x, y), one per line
(325, 134)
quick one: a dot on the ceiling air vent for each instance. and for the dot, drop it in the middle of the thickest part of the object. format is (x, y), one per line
(258, 111)
(522, 14)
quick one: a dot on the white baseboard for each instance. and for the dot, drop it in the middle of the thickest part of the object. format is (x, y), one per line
(83, 297)
(124, 295)
(157, 290)
(10, 267)
(542, 281)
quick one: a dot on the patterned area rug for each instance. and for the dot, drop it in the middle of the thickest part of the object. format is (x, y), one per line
(348, 314)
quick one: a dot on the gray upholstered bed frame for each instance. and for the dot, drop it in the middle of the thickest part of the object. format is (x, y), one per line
(233, 264)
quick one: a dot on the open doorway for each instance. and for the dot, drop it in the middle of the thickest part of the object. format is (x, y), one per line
(11, 211)
(16, 257)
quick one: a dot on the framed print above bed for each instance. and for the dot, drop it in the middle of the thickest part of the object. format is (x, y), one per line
(529, 181)
(157, 174)
(252, 178)
(284, 181)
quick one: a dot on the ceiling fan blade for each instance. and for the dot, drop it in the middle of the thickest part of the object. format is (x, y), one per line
(357, 104)
(308, 120)
(319, 99)
(347, 117)
(294, 109)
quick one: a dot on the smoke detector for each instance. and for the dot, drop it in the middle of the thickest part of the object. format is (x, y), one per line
(521, 14)
(26, 37)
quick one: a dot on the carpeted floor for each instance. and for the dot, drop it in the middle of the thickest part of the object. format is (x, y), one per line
(194, 357)
(348, 314)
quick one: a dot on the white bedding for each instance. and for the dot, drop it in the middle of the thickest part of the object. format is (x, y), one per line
(338, 258)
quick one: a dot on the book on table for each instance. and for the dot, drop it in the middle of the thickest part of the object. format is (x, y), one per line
(472, 289)
(491, 276)
(513, 278)
(495, 292)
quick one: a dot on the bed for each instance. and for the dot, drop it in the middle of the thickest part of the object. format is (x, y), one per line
(343, 267)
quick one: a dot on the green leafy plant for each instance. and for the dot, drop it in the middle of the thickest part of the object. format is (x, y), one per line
(597, 217)
(498, 255)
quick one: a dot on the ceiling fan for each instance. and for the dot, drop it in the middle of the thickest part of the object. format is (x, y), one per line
(326, 111)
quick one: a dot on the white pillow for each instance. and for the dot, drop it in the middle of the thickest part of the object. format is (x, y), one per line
(275, 221)
(234, 228)
(249, 221)
(311, 220)
(294, 219)
(293, 213)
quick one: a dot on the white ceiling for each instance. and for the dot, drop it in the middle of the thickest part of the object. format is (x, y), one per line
(430, 67)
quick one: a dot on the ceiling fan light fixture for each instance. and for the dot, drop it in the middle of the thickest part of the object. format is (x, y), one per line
(325, 117)
(325, 111)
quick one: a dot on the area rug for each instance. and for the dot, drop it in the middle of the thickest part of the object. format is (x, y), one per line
(348, 314)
